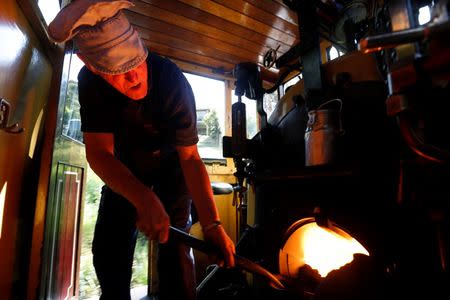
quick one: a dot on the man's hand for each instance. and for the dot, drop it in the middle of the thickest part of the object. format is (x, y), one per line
(219, 237)
(199, 186)
(152, 218)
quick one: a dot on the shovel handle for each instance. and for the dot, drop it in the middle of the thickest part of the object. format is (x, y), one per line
(208, 248)
(193, 242)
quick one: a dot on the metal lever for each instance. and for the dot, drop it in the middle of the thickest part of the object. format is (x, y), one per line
(5, 108)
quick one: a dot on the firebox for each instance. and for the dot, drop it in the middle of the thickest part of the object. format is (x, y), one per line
(323, 249)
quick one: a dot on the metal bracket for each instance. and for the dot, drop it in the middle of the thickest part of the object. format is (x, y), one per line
(5, 109)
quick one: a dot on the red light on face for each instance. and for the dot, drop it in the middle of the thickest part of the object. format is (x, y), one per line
(132, 84)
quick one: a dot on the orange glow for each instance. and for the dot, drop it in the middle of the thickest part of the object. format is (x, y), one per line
(322, 249)
(327, 250)
(2, 205)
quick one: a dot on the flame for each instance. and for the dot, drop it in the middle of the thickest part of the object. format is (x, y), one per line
(326, 250)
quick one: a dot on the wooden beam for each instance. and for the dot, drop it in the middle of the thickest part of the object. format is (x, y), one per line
(202, 70)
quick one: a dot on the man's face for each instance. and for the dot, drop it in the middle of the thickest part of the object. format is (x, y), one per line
(132, 84)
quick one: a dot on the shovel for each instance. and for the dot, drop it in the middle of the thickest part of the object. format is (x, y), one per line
(208, 248)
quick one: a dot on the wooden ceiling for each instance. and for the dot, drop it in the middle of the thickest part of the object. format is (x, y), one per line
(216, 33)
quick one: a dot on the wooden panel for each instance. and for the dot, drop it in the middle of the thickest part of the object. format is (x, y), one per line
(187, 45)
(25, 75)
(192, 45)
(216, 34)
(164, 50)
(34, 277)
(200, 22)
(196, 59)
(277, 9)
(168, 29)
(242, 20)
(261, 15)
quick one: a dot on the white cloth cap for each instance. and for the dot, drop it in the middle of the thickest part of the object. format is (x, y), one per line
(102, 34)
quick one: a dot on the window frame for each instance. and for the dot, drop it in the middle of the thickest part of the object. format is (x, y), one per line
(224, 166)
(215, 166)
(209, 160)
(37, 21)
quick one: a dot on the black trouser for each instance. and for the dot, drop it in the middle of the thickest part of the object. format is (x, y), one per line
(114, 243)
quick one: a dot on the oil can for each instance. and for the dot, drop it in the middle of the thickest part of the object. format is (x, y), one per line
(322, 134)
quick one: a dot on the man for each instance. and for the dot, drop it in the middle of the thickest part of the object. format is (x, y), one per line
(139, 125)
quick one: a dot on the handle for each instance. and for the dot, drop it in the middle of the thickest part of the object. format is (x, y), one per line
(193, 242)
(241, 262)
(341, 128)
(331, 101)
(5, 109)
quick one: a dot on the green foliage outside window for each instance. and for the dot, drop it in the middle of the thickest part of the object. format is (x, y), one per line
(212, 124)
(71, 117)
(89, 286)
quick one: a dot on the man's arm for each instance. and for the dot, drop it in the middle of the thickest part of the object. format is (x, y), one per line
(199, 186)
(152, 219)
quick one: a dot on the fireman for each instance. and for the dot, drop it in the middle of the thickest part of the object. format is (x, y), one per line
(139, 125)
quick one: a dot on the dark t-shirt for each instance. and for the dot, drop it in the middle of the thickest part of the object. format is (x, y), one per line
(145, 131)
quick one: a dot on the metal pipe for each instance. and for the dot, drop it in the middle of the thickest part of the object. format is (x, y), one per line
(396, 38)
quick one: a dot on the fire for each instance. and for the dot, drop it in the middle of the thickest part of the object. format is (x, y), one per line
(327, 250)
(321, 248)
